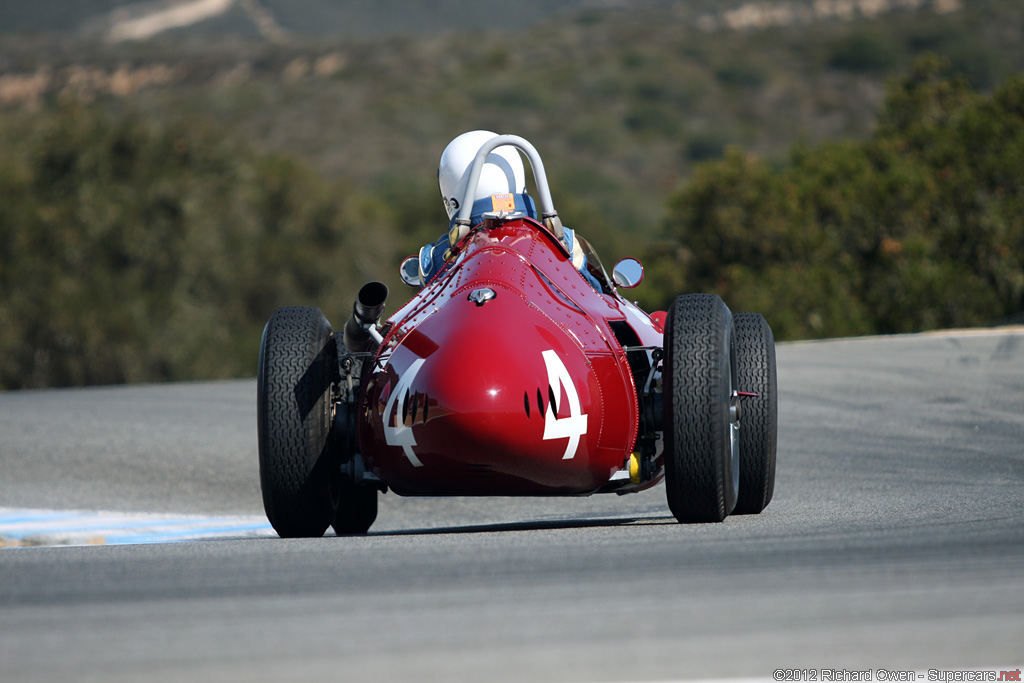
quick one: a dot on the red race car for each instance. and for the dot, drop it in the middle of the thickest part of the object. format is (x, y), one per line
(514, 373)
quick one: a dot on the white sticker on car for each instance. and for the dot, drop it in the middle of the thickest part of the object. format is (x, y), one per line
(575, 424)
(399, 434)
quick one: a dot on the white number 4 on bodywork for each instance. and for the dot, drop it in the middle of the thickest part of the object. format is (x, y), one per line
(574, 425)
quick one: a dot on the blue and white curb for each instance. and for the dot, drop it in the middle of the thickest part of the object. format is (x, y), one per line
(21, 527)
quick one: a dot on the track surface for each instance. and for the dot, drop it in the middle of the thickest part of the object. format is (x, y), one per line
(895, 540)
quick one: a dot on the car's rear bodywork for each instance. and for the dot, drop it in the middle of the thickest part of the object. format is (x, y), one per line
(508, 374)
(518, 369)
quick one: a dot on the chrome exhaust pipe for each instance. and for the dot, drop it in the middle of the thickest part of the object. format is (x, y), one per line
(361, 328)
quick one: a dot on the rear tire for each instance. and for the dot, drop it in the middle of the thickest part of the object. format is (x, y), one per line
(701, 442)
(299, 473)
(755, 363)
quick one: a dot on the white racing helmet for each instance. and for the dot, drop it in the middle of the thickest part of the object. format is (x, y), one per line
(502, 172)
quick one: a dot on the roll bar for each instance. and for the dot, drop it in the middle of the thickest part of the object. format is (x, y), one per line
(547, 207)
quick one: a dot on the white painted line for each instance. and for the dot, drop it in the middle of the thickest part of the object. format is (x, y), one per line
(22, 527)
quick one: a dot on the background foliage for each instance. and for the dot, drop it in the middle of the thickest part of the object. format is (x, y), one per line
(919, 227)
(158, 200)
(134, 252)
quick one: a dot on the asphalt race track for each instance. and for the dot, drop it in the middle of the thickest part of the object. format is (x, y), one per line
(895, 541)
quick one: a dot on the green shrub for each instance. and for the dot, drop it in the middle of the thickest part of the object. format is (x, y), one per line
(920, 227)
(864, 51)
(741, 74)
(131, 252)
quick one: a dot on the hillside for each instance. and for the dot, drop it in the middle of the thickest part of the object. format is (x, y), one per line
(279, 19)
(622, 101)
(164, 194)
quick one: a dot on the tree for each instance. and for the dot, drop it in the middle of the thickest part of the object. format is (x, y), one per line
(131, 251)
(919, 227)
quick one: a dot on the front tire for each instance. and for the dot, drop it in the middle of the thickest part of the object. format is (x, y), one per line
(755, 363)
(299, 473)
(701, 441)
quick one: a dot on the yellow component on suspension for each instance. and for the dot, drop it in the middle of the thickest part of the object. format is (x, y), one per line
(634, 468)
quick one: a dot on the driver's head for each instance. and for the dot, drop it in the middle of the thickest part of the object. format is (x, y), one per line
(502, 172)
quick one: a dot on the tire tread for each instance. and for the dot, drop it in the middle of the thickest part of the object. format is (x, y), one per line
(293, 386)
(695, 474)
(756, 372)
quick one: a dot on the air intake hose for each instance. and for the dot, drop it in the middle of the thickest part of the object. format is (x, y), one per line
(366, 311)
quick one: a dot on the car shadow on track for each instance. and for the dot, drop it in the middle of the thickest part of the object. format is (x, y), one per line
(536, 525)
